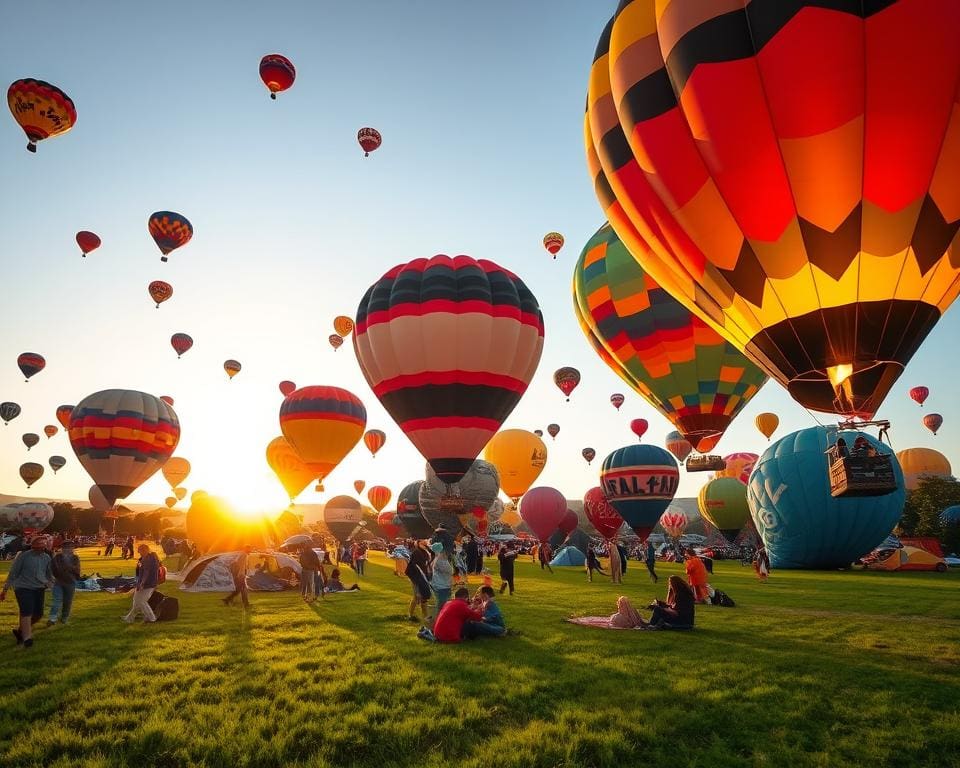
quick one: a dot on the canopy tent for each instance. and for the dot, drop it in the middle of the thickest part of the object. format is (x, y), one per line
(212, 573)
(569, 556)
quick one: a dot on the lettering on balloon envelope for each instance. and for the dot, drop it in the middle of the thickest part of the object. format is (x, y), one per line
(640, 482)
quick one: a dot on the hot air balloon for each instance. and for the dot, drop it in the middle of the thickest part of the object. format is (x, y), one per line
(640, 482)
(664, 352)
(408, 510)
(294, 475)
(42, 110)
(919, 394)
(673, 523)
(170, 501)
(342, 515)
(30, 472)
(9, 411)
(639, 427)
(617, 400)
(169, 231)
(30, 364)
(57, 463)
(538, 432)
(738, 466)
(286, 387)
(50, 430)
(29, 517)
(950, 516)
(369, 139)
(767, 423)
(764, 176)
(176, 470)
(122, 437)
(588, 454)
(87, 241)
(343, 325)
(160, 291)
(723, 503)
(198, 494)
(180, 342)
(553, 242)
(566, 380)
(802, 525)
(389, 523)
(933, 422)
(277, 73)
(63, 415)
(449, 346)
(917, 464)
(519, 457)
(568, 524)
(30, 439)
(442, 504)
(542, 509)
(510, 516)
(97, 500)
(335, 341)
(180, 493)
(374, 440)
(167, 399)
(553, 430)
(323, 424)
(379, 496)
(232, 367)
(678, 445)
(359, 485)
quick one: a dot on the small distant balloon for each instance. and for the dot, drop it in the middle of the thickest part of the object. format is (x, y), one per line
(167, 399)
(369, 139)
(57, 463)
(30, 472)
(589, 454)
(343, 325)
(50, 430)
(617, 400)
(639, 427)
(566, 380)
(180, 342)
(232, 367)
(767, 423)
(30, 364)
(277, 73)
(180, 493)
(286, 387)
(919, 394)
(169, 231)
(160, 291)
(553, 430)
(9, 411)
(933, 422)
(359, 485)
(336, 341)
(87, 241)
(30, 439)
(553, 242)
(63, 415)
(538, 432)
(170, 501)
(374, 440)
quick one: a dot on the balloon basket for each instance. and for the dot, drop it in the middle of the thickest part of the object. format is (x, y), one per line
(273, 96)
(163, 258)
(31, 147)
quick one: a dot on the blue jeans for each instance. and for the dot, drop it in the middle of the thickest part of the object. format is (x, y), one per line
(62, 602)
(481, 629)
(442, 596)
(358, 565)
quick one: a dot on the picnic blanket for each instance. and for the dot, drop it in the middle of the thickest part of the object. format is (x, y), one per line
(600, 622)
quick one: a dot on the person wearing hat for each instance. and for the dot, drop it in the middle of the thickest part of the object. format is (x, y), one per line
(66, 570)
(30, 575)
(441, 580)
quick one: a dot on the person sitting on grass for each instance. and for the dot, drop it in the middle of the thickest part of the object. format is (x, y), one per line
(626, 616)
(677, 611)
(449, 626)
(334, 584)
(492, 623)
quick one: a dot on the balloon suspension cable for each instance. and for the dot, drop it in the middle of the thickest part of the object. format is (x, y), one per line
(883, 424)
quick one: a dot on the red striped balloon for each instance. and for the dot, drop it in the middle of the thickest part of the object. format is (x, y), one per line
(933, 422)
(369, 139)
(180, 342)
(277, 73)
(379, 497)
(30, 364)
(919, 394)
(63, 415)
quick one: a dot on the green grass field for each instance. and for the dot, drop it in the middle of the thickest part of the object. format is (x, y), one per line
(812, 669)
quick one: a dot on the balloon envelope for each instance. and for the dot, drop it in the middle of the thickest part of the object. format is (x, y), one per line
(767, 423)
(442, 504)
(389, 523)
(176, 470)
(723, 503)
(169, 231)
(374, 440)
(919, 394)
(519, 457)
(42, 110)
(30, 363)
(640, 481)
(542, 509)
(87, 241)
(601, 513)
(30, 472)
(920, 463)
(379, 497)
(294, 475)
(342, 515)
(678, 445)
(408, 510)
(277, 73)
(9, 411)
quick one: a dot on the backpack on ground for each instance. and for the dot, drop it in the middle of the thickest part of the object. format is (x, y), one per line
(164, 608)
(722, 599)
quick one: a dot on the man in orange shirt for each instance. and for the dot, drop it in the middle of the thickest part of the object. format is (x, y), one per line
(696, 576)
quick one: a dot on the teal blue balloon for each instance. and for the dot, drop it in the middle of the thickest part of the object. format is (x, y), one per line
(950, 516)
(640, 481)
(801, 524)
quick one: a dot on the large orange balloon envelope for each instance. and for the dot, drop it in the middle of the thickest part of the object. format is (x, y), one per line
(277, 73)
(122, 437)
(369, 140)
(323, 424)
(87, 241)
(519, 457)
(798, 185)
(176, 470)
(294, 475)
(41, 109)
(160, 291)
(449, 346)
(63, 415)
(169, 231)
(919, 463)
(542, 509)
(374, 440)
(379, 497)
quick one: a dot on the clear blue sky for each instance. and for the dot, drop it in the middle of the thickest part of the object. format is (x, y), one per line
(481, 110)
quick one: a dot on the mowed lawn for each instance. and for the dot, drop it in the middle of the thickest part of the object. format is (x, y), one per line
(824, 669)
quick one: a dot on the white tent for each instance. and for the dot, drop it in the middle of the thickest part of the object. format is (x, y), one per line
(211, 573)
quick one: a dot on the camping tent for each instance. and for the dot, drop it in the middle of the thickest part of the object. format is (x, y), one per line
(907, 558)
(569, 556)
(211, 573)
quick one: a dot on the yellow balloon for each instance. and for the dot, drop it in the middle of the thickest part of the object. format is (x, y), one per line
(511, 516)
(289, 468)
(519, 457)
(176, 470)
(920, 463)
(767, 423)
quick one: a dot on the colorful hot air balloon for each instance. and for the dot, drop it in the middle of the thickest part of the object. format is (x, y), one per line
(796, 185)
(176, 470)
(449, 346)
(63, 415)
(639, 427)
(122, 437)
(180, 493)
(588, 454)
(553, 430)
(57, 463)
(519, 457)
(566, 379)
(29, 517)
(569, 523)
(160, 291)
(664, 352)
(408, 510)
(342, 515)
(323, 424)
(167, 399)
(30, 472)
(673, 523)
(374, 440)
(389, 523)
(950, 516)
(50, 430)
(169, 231)
(933, 422)
(640, 482)
(369, 139)
(232, 367)
(286, 387)
(180, 342)
(294, 475)
(359, 485)
(277, 73)
(443, 504)
(42, 110)
(9, 411)
(542, 509)
(379, 496)
(170, 501)
(553, 242)
(617, 400)
(767, 423)
(30, 439)
(739, 466)
(30, 364)
(920, 463)
(919, 394)
(87, 241)
(343, 325)
(538, 432)
(678, 445)
(723, 503)
(335, 341)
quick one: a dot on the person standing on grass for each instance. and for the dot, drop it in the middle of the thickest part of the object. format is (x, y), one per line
(128, 548)
(624, 556)
(544, 553)
(761, 564)
(616, 567)
(507, 556)
(238, 570)
(441, 579)
(66, 570)
(30, 575)
(470, 550)
(592, 563)
(309, 564)
(361, 558)
(148, 571)
(651, 561)
(419, 573)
